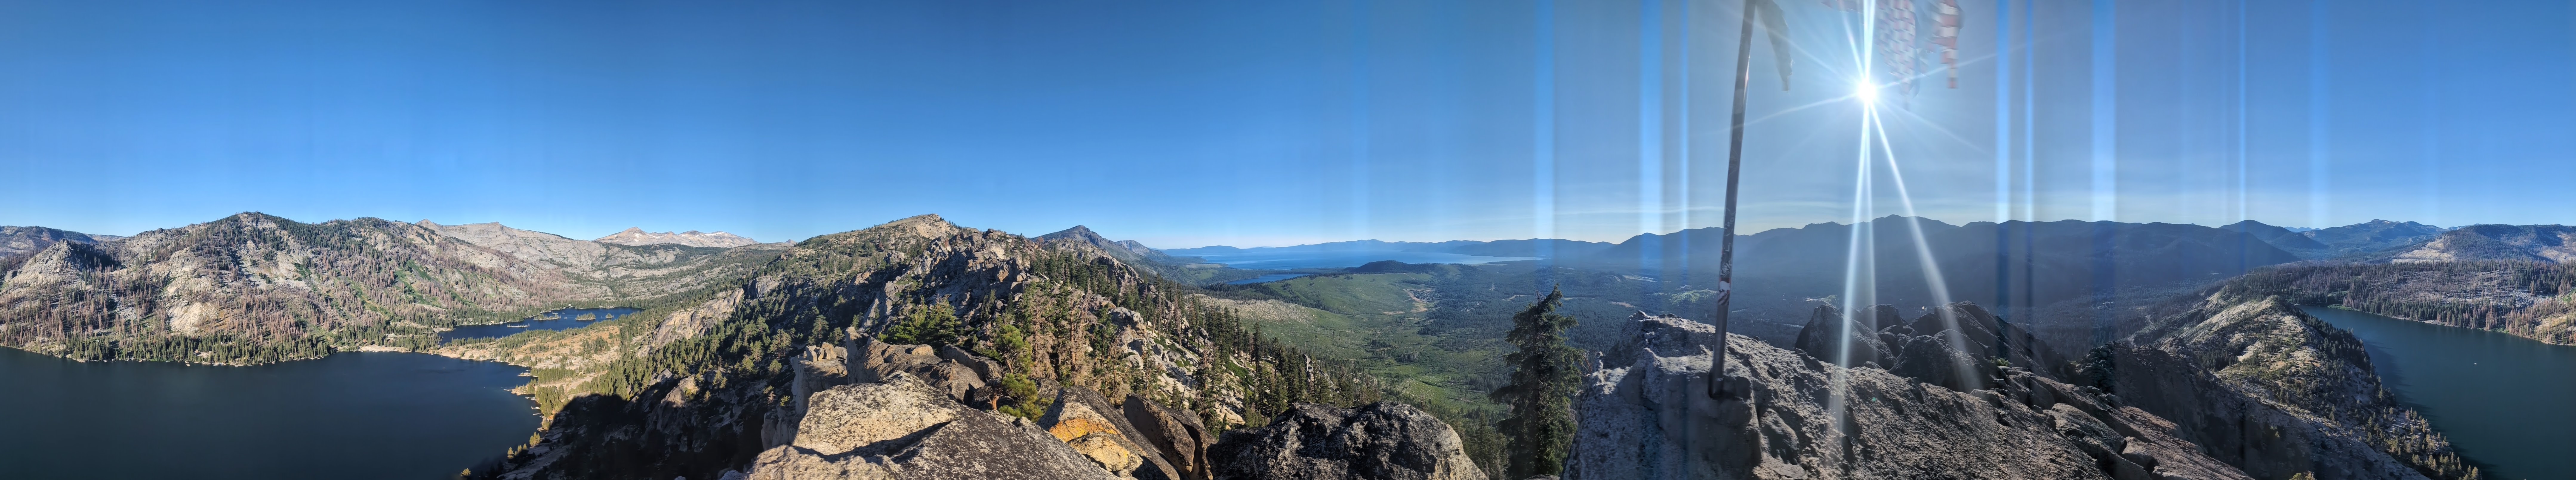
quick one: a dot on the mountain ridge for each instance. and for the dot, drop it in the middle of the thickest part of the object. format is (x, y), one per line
(25, 240)
(638, 237)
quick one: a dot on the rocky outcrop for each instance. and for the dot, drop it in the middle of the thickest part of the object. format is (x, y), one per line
(2267, 388)
(1786, 415)
(1178, 435)
(1378, 441)
(957, 376)
(954, 372)
(637, 236)
(905, 429)
(1100, 430)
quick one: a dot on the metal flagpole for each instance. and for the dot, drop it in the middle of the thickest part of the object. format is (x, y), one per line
(1734, 165)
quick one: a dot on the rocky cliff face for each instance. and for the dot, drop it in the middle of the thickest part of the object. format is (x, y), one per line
(635, 272)
(254, 288)
(1788, 415)
(2261, 385)
(639, 237)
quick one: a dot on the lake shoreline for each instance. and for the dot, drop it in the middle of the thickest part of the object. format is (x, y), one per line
(351, 414)
(2493, 394)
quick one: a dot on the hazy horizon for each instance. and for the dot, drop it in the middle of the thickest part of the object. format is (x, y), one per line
(1115, 236)
(1263, 124)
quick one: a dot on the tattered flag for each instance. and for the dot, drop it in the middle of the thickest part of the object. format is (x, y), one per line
(1901, 36)
(1945, 16)
(1777, 25)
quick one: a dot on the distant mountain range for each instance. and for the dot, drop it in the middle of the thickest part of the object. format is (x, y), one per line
(637, 236)
(2534, 243)
(1129, 251)
(2371, 236)
(1536, 247)
(2010, 265)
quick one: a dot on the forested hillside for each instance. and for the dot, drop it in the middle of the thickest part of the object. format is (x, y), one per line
(2534, 300)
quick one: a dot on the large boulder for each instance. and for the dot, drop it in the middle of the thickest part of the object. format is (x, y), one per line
(903, 428)
(1955, 346)
(1847, 340)
(1378, 441)
(955, 373)
(1788, 415)
(1090, 424)
(1178, 435)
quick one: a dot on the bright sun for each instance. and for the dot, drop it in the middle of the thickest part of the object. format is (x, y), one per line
(1866, 92)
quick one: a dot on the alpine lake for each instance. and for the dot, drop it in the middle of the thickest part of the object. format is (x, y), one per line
(2501, 399)
(378, 415)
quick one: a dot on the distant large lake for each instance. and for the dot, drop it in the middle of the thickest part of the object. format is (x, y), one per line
(1266, 278)
(2503, 400)
(561, 319)
(350, 415)
(1271, 260)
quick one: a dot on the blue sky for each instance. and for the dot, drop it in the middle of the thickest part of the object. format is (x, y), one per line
(1257, 123)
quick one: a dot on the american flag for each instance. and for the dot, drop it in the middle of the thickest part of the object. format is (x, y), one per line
(1945, 17)
(1896, 43)
(1901, 42)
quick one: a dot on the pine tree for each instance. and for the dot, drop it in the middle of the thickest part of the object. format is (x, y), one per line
(1541, 393)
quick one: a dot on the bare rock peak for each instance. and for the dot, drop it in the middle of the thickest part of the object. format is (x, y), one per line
(637, 236)
(927, 225)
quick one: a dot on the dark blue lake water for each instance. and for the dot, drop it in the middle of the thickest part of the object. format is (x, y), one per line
(1270, 260)
(2503, 400)
(1267, 278)
(350, 415)
(565, 319)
